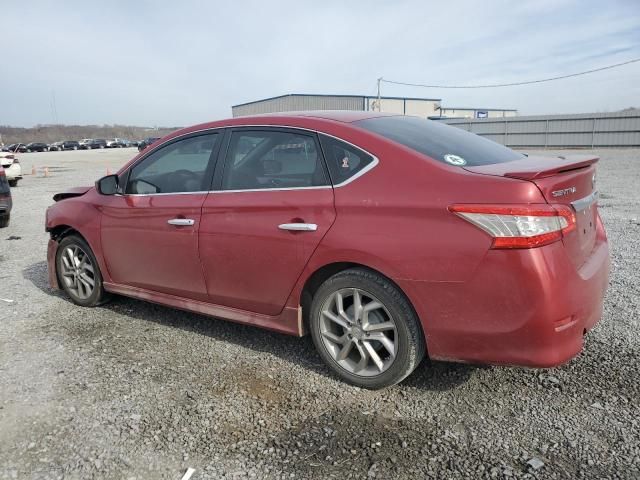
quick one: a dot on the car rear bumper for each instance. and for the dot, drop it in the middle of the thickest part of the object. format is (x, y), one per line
(5, 205)
(13, 171)
(521, 307)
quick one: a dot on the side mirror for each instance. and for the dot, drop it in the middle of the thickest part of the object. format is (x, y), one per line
(107, 185)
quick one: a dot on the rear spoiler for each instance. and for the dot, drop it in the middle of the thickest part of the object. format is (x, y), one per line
(530, 168)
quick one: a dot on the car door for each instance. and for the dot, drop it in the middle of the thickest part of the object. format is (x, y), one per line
(271, 206)
(150, 232)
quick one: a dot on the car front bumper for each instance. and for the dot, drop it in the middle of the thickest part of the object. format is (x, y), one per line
(521, 307)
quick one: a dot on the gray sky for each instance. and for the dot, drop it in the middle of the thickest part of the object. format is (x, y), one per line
(176, 63)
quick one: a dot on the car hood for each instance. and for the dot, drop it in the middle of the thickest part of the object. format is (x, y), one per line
(70, 193)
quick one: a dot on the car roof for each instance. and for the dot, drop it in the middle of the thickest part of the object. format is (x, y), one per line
(307, 119)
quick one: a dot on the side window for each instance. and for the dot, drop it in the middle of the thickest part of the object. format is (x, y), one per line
(179, 167)
(272, 159)
(343, 160)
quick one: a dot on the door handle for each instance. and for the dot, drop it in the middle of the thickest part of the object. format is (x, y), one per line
(181, 222)
(299, 227)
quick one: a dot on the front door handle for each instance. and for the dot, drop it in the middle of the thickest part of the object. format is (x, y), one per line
(181, 222)
(299, 227)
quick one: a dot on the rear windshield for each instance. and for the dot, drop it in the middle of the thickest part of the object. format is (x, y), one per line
(441, 142)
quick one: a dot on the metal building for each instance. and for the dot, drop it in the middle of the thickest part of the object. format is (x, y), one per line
(423, 107)
(456, 112)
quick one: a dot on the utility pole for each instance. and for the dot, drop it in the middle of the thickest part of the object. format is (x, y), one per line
(379, 104)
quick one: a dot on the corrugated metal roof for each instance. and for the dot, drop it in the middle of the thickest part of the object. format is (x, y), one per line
(335, 96)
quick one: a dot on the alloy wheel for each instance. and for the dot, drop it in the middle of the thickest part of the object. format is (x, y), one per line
(358, 332)
(77, 271)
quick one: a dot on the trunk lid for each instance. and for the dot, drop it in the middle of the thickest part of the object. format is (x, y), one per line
(562, 180)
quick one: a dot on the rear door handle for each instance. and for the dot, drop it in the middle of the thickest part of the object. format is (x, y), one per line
(299, 227)
(181, 222)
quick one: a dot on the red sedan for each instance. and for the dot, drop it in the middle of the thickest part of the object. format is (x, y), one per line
(386, 237)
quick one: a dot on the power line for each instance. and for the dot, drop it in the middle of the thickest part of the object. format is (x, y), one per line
(495, 85)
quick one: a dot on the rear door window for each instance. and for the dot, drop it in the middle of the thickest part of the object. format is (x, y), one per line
(272, 159)
(439, 141)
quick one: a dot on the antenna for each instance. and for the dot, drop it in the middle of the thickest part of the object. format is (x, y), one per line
(54, 108)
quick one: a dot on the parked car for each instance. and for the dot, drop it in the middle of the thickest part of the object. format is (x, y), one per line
(55, 146)
(15, 148)
(70, 145)
(5, 200)
(385, 237)
(146, 142)
(93, 144)
(37, 147)
(12, 168)
(83, 142)
(116, 143)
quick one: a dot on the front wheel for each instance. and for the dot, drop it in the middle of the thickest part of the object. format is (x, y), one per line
(79, 273)
(13, 183)
(365, 329)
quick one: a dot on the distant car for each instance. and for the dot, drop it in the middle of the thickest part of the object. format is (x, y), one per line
(146, 142)
(55, 146)
(37, 147)
(5, 200)
(93, 144)
(116, 143)
(12, 168)
(83, 142)
(70, 145)
(15, 147)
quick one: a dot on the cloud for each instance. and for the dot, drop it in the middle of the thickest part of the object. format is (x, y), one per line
(179, 63)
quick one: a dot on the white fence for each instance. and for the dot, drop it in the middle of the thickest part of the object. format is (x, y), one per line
(592, 130)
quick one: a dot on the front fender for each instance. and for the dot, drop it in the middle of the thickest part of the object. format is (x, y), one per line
(81, 214)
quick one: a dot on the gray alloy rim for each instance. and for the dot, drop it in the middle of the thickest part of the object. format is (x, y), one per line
(358, 332)
(78, 272)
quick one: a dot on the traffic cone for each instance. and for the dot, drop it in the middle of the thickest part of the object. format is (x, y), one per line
(33, 170)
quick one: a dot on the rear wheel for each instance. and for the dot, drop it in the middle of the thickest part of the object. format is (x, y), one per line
(79, 273)
(4, 220)
(365, 329)
(13, 183)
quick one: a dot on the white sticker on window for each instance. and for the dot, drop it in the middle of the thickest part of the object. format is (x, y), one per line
(454, 159)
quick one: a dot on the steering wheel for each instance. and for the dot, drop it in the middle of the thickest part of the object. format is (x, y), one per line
(186, 176)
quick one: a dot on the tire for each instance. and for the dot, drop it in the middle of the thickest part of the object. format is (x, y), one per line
(74, 247)
(13, 183)
(4, 220)
(332, 339)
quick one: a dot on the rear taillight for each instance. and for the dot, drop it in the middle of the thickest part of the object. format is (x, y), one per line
(519, 226)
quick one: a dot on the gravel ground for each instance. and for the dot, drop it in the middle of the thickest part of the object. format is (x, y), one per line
(134, 390)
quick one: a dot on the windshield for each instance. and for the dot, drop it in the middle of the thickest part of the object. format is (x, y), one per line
(441, 142)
